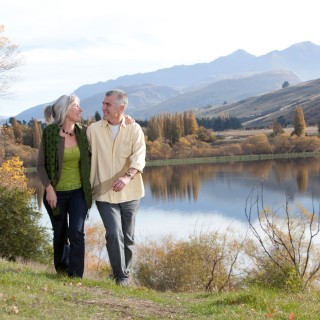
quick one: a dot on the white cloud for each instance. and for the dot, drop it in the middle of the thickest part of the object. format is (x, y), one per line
(67, 44)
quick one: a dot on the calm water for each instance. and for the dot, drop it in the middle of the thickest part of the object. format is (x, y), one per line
(184, 199)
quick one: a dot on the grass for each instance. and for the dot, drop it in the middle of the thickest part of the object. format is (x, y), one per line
(36, 292)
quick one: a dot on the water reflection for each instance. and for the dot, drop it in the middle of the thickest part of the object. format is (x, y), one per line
(184, 181)
(184, 198)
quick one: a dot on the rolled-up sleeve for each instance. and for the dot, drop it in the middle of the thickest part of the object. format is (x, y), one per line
(138, 157)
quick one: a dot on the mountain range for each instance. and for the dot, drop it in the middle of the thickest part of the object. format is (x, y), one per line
(223, 85)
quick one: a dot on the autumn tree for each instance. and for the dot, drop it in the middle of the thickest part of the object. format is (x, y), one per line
(20, 232)
(36, 134)
(299, 123)
(190, 123)
(17, 130)
(6, 135)
(180, 124)
(277, 128)
(9, 60)
(172, 128)
(206, 135)
(176, 128)
(153, 130)
(27, 136)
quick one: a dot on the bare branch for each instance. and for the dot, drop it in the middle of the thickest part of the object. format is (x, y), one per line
(10, 59)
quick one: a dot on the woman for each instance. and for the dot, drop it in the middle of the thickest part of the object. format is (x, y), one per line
(64, 167)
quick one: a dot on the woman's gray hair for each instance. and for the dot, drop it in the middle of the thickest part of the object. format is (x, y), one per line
(56, 113)
(122, 97)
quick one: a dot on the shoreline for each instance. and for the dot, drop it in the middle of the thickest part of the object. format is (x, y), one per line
(234, 158)
(222, 159)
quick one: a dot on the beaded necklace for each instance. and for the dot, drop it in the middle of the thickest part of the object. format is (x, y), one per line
(71, 134)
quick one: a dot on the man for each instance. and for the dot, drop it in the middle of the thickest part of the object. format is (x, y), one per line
(118, 158)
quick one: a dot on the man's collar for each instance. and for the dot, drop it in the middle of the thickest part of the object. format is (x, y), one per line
(105, 123)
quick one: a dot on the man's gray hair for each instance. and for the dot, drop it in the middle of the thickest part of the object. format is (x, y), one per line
(122, 97)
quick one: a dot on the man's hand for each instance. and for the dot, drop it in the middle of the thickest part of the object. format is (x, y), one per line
(120, 183)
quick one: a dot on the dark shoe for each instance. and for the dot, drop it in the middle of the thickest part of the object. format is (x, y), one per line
(62, 269)
(122, 282)
(73, 275)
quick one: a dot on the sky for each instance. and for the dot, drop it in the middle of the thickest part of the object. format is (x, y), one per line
(69, 43)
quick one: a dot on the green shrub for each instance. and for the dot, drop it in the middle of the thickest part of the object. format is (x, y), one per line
(20, 232)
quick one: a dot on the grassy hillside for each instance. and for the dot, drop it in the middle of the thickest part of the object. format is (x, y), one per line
(35, 292)
(260, 111)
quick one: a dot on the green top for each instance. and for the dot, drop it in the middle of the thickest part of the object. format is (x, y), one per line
(70, 175)
(52, 151)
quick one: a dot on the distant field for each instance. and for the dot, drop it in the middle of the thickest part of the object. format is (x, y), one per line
(246, 133)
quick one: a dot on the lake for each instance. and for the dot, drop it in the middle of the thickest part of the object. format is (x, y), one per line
(183, 199)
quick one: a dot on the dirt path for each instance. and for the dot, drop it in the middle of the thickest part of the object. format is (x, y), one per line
(130, 307)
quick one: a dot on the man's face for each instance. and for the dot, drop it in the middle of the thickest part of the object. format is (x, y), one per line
(111, 112)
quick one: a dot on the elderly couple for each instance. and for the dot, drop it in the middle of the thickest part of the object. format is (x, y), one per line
(103, 162)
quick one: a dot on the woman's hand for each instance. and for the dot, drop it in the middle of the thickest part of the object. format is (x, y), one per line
(51, 196)
(128, 120)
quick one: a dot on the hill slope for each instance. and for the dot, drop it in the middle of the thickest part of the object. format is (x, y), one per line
(261, 111)
(229, 90)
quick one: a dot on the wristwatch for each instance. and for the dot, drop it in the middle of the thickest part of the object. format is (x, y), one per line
(129, 174)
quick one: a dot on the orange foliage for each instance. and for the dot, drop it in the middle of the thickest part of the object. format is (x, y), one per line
(96, 256)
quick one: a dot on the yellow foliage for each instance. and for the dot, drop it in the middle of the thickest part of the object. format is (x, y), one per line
(13, 175)
(257, 144)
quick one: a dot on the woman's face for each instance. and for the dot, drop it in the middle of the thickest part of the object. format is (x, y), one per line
(74, 112)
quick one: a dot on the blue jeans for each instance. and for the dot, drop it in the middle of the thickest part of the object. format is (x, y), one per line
(119, 221)
(65, 259)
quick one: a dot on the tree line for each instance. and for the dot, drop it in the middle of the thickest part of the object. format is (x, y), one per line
(170, 127)
(173, 136)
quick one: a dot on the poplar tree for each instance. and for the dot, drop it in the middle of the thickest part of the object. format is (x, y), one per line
(167, 123)
(36, 134)
(153, 129)
(190, 123)
(175, 129)
(160, 125)
(17, 131)
(299, 123)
